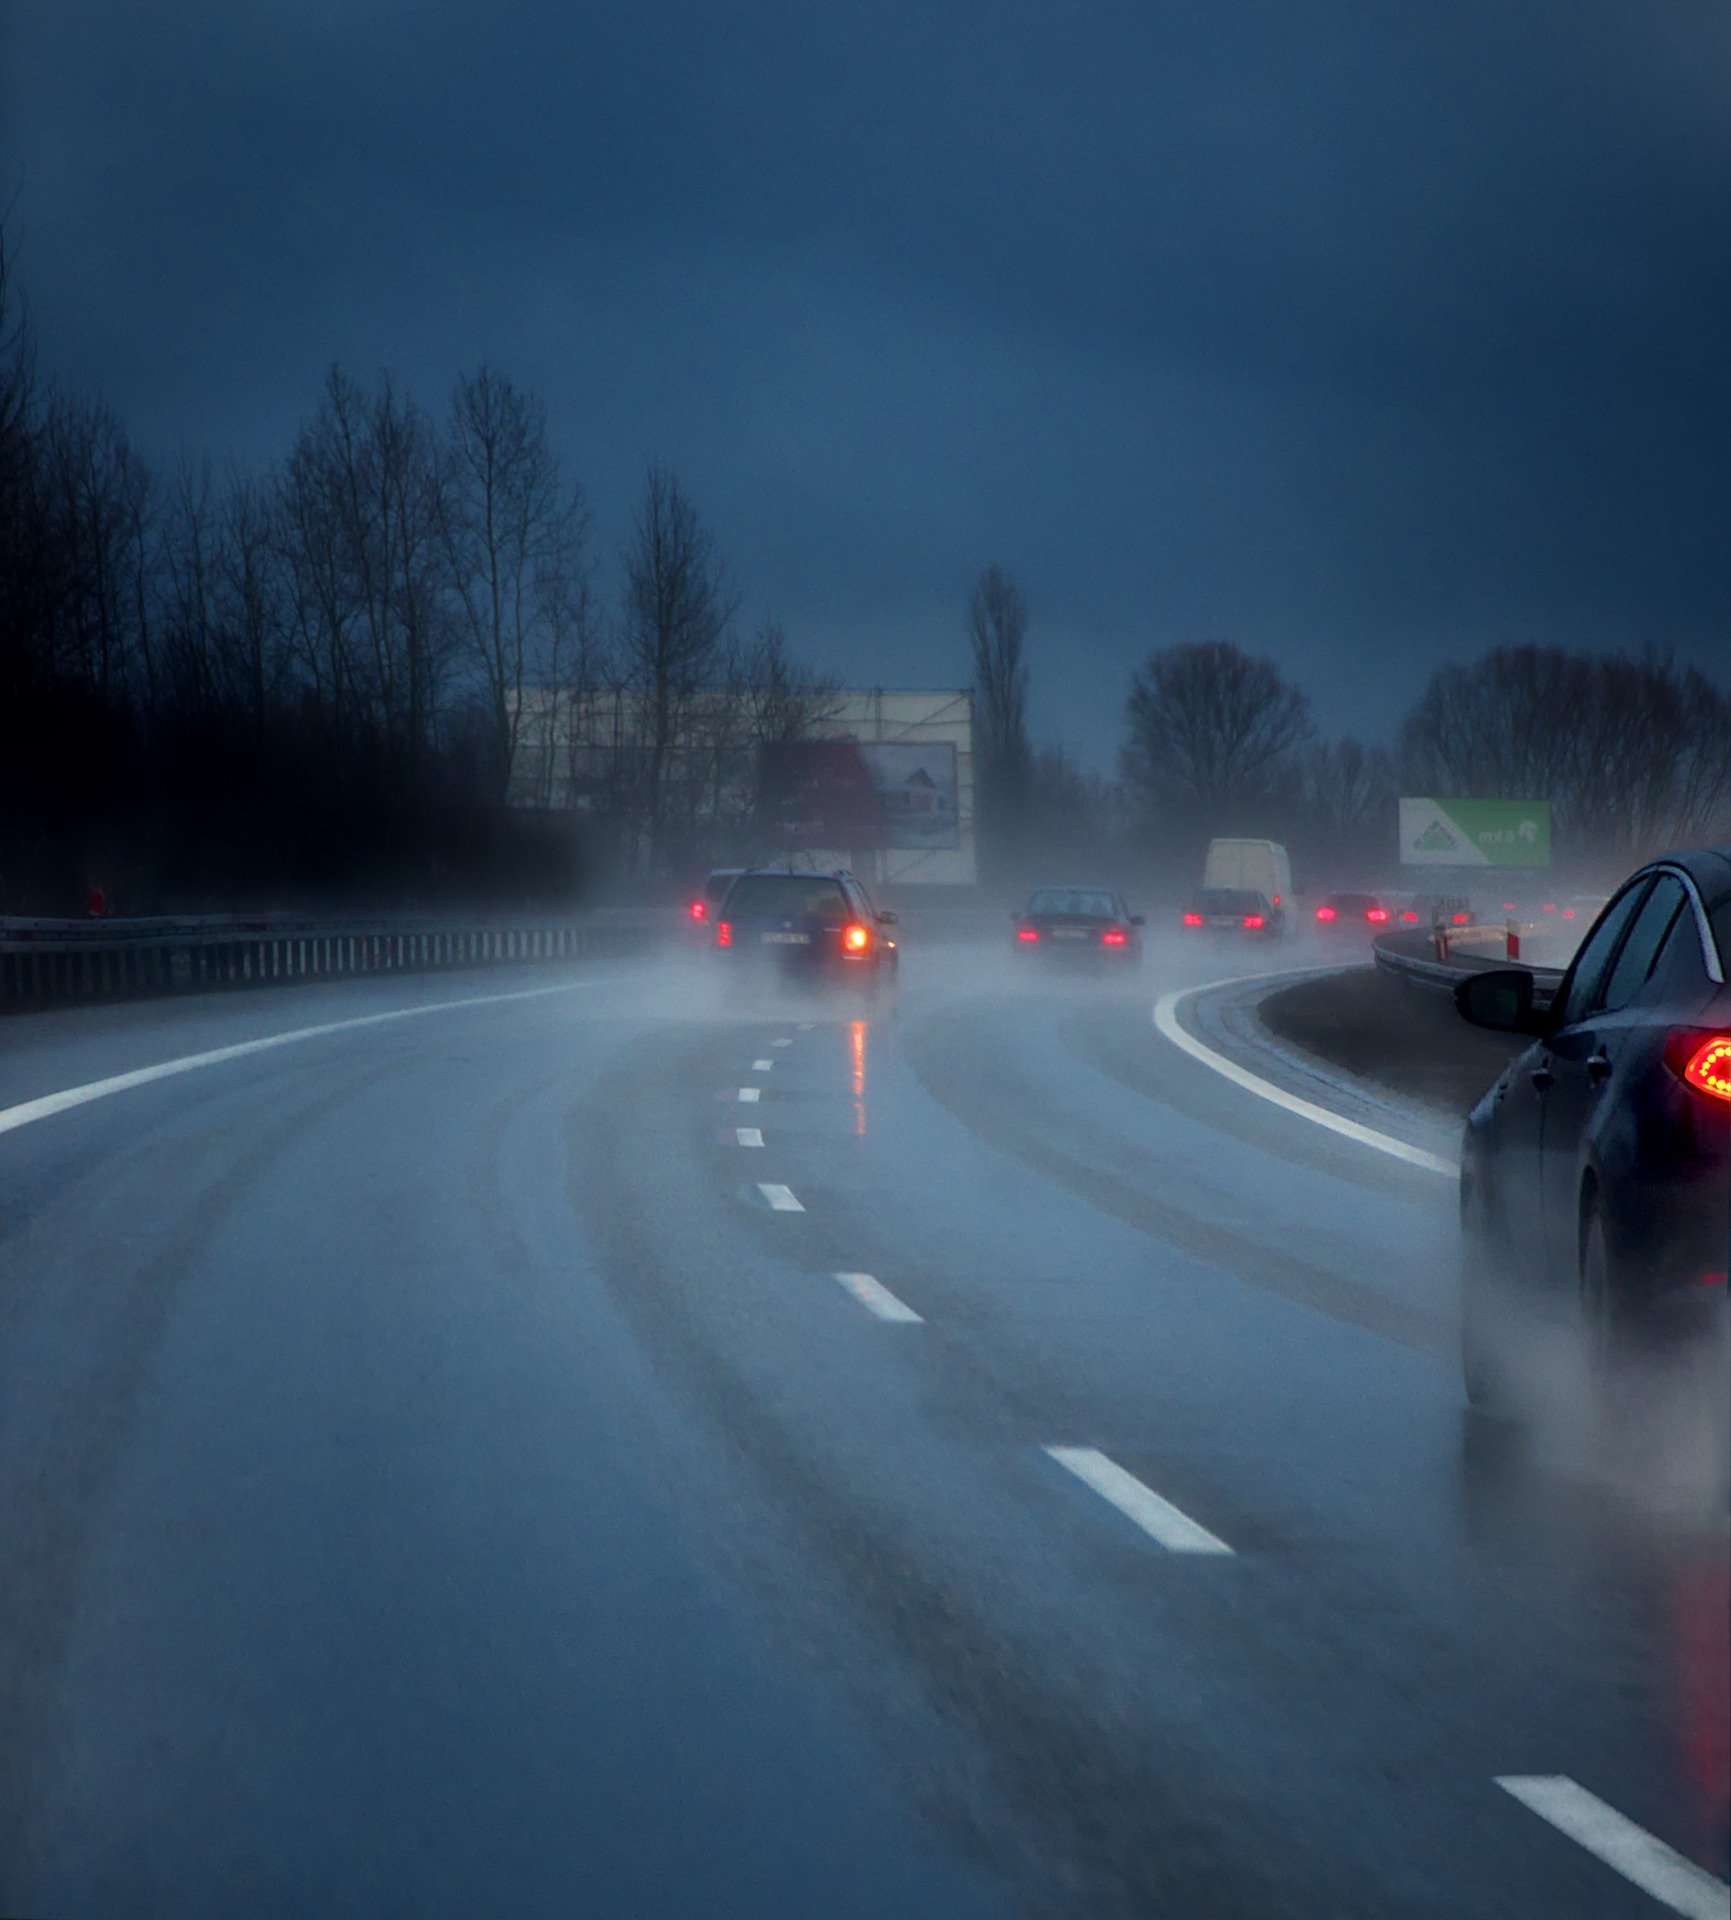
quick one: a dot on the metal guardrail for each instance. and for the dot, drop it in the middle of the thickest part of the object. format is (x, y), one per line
(1412, 956)
(47, 963)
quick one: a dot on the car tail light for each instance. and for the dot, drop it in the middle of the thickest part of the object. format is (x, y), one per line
(1708, 1066)
(1550, 906)
(1253, 921)
(1376, 915)
(1114, 937)
(698, 910)
(1508, 906)
(1276, 900)
(1192, 919)
(1568, 913)
(723, 933)
(1029, 934)
(1410, 917)
(856, 938)
(1325, 913)
(1462, 919)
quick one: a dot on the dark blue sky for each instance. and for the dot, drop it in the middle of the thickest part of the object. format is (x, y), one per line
(1367, 335)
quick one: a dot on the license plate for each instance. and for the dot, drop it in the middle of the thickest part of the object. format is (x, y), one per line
(787, 939)
(1069, 933)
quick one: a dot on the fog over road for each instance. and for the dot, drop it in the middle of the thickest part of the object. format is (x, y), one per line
(480, 1463)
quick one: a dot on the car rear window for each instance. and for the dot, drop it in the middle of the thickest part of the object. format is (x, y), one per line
(786, 896)
(716, 886)
(1352, 902)
(1228, 900)
(1076, 900)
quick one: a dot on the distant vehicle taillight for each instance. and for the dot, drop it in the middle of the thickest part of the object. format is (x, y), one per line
(1410, 917)
(699, 910)
(1254, 921)
(1462, 919)
(1568, 913)
(1276, 900)
(1508, 906)
(1376, 915)
(1028, 934)
(856, 938)
(723, 933)
(1114, 937)
(1192, 919)
(1708, 1066)
(1325, 913)
(1550, 906)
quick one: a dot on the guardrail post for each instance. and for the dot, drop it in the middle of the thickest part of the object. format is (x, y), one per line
(1513, 936)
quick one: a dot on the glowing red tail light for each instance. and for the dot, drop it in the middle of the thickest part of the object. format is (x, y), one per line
(1550, 906)
(1253, 921)
(1192, 919)
(1325, 913)
(1376, 915)
(1114, 937)
(698, 910)
(1708, 1068)
(1461, 919)
(1410, 917)
(1508, 906)
(1277, 900)
(723, 933)
(1029, 934)
(856, 938)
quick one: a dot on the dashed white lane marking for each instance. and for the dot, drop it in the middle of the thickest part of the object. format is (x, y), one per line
(748, 1136)
(1166, 1019)
(761, 1066)
(785, 1041)
(781, 1199)
(805, 1026)
(51, 1103)
(1654, 1867)
(878, 1299)
(750, 1093)
(1156, 1517)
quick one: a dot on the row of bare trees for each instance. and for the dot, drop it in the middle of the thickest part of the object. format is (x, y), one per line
(217, 689)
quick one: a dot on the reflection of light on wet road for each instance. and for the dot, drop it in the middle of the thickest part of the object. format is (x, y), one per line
(1702, 1643)
(857, 1052)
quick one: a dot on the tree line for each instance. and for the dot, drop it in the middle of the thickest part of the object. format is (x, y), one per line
(1630, 748)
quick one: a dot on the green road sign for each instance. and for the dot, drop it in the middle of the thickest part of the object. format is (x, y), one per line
(1475, 833)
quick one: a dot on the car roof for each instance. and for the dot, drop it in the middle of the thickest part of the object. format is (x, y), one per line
(1708, 867)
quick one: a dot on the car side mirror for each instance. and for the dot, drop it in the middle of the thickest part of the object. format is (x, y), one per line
(1501, 999)
(888, 920)
(1138, 919)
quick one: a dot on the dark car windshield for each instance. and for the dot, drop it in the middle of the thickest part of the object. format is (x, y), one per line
(1352, 902)
(1229, 900)
(786, 896)
(1084, 902)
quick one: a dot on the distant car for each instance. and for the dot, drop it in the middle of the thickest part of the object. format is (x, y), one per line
(701, 908)
(1079, 924)
(1235, 910)
(1362, 914)
(1596, 1173)
(1255, 866)
(816, 927)
(1430, 910)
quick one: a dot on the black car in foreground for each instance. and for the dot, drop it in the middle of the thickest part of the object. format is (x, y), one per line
(1235, 910)
(1082, 924)
(1596, 1173)
(805, 926)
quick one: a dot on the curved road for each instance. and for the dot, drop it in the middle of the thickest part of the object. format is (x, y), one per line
(442, 1472)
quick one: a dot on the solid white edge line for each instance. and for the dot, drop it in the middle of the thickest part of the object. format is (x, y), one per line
(1166, 1019)
(1616, 1840)
(27, 1111)
(781, 1199)
(878, 1299)
(748, 1136)
(750, 1093)
(762, 1066)
(1156, 1517)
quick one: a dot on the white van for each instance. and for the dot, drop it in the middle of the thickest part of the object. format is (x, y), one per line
(1259, 865)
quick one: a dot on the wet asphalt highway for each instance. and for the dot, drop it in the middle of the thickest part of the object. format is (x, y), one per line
(441, 1472)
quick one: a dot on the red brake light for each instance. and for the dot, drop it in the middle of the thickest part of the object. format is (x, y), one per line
(1708, 1068)
(1568, 913)
(723, 933)
(1462, 919)
(698, 910)
(1253, 921)
(1410, 917)
(1325, 913)
(1276, 901)
(1550, 906)
(1114, 937)
(1376, 915)
(856, 938)
(1192, 919)
(1508, 906)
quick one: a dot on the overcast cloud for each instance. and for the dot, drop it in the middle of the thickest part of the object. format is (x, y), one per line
(1367, 335)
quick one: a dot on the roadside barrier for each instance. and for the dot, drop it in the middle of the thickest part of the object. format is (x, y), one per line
(1439, 960)
(47, 963)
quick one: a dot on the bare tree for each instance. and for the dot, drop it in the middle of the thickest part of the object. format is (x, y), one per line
(515, 539)
(1210, 726)
(678, 609)
(997, 631)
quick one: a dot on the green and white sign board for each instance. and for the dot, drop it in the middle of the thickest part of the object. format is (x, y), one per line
(1475, 833)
